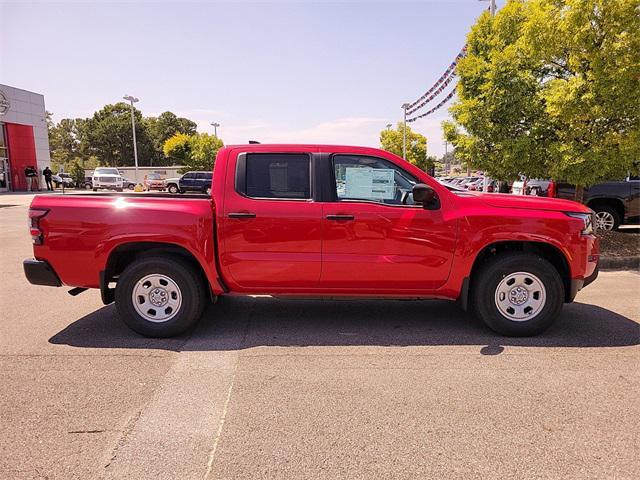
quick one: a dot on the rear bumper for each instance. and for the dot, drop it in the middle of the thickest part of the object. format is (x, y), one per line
(39, 272)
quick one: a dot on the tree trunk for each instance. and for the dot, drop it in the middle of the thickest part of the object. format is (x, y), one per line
(579, 193)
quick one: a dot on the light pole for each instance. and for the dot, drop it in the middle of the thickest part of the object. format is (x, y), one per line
(215, 128)
(404, 131)
(388, 126)
(446, 157)
(133, 126)
(492, 6)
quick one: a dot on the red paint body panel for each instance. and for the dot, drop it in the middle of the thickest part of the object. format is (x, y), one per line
(291, 248)
(22, 153)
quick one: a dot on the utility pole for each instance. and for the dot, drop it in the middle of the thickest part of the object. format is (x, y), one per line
(133, 126)
(446, 157)
(492, 6)
(404, 131)
(215, 128)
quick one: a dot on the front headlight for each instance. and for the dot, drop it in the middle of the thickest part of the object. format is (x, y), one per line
(587, 219)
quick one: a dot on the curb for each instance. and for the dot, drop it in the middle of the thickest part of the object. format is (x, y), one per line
(619, 263)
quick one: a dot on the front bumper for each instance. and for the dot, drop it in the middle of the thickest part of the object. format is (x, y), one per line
(39, 272)
(590, 256)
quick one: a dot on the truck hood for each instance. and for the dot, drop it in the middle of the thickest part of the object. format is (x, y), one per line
(532, 203)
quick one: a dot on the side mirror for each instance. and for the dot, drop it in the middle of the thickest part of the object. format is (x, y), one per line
(425, 195)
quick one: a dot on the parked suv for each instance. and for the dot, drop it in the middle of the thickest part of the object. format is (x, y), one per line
(191, 182)
(107, 178)
(615, 203)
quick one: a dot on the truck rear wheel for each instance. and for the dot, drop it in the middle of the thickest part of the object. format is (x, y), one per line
(518, 294)
(160, 297)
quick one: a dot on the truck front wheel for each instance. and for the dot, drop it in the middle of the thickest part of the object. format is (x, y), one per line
(518, 294)
(160, 297)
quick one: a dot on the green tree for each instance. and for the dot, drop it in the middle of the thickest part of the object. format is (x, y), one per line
(204, 148)
(177, 148)
(391, 141)
(194, 152)
(163, 127)
(110, 138)
(77, 173)
(549, 88)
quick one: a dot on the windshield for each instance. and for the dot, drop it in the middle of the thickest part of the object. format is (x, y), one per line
(154, 176)
(106, 171)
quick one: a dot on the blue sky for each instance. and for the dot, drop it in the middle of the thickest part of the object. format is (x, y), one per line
(273, 71)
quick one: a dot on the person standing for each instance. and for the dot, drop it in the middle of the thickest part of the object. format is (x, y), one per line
(30, 174)
(47, 177)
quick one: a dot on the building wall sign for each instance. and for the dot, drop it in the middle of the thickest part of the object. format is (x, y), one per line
(4, 103)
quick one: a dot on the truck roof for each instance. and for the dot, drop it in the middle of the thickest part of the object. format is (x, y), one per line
(299, 145)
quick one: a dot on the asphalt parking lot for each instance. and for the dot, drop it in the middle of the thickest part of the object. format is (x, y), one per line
(267, 388)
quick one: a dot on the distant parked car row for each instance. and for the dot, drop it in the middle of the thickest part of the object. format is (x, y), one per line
(471, 183)
(107, 178)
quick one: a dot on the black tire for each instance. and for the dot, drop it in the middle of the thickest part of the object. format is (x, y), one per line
(95, 189)
(189, 282)
(488, 278)
(607, 210)
(131, 186)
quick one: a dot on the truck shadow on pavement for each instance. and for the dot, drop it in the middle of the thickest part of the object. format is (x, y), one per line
(236, 323)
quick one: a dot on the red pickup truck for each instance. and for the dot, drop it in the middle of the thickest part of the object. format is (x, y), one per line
(316, 220)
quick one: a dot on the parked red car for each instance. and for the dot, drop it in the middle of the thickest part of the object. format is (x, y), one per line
(315, 220)
(154, 181)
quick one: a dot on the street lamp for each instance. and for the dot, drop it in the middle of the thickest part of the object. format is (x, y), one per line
(404, 131)
(215, 128)
(388, 126)
(492, 6)
(133, 100)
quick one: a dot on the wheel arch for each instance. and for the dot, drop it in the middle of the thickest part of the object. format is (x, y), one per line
(615, 203)
(546, 250)
(125, 254)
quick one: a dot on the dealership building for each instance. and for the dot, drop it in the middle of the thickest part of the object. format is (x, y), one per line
(24, 139)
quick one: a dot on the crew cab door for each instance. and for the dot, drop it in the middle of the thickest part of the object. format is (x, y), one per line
(271, 226)
(372, 241)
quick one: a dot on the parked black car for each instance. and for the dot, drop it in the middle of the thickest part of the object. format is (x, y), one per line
(191, 182)
(615, 203)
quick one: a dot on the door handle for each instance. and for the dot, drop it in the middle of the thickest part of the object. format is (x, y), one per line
(242, 215)
(340, 217)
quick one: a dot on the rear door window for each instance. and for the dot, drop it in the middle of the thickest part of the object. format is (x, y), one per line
(278, 175)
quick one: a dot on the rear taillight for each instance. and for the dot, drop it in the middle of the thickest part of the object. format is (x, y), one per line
(551, 189)
(34, 224)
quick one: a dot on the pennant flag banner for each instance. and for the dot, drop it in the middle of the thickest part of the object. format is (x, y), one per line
(445, 77)
(433, 95)
(429, 112)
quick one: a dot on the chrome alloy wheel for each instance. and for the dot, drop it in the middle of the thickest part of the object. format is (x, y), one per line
(520, 296)
(156, 298)
(604, 221)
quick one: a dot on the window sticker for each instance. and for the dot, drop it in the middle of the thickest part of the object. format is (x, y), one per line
(371, 183)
